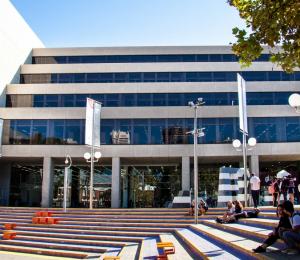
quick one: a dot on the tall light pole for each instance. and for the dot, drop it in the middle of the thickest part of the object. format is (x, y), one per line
(92, 158)
(197, 133)
(237, 144)
(68, 163)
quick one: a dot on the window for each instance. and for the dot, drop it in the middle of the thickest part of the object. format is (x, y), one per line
(39, 132)
(140, 131)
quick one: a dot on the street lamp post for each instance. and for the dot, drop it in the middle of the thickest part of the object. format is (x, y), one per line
(237, 144)
(68, 163)
(92, 158)
(294, 102)
(197, 133)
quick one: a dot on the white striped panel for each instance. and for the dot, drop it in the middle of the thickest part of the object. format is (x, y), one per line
(227, 176)
(225, 198)
(228, 187)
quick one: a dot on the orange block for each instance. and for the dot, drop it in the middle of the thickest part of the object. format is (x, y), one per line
(111, 258)
(168, 247)
(50, 221)
(43, 214)
(8, 226)
(42, 220)
(8, 234)
(35, 220)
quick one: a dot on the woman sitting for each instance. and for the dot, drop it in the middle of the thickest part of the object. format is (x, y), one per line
(230, 211)
(284, 222)
(238, 214)
(202, 206)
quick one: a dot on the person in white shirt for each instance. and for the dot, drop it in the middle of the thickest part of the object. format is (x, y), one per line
(255, 188)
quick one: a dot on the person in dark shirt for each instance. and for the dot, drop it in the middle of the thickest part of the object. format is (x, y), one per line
(284, 222)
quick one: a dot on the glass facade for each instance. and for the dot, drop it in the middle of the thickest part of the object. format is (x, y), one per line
(158, 77)
(140, 58)
(151, 131)
(146, 99)
(149, 186)
(78, 191)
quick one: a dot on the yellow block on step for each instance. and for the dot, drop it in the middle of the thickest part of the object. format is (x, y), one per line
(168, 247)
(111, 258)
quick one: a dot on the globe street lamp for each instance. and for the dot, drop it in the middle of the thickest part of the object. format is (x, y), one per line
(197, 133)
(92, 159)
(237, 146)
(294, 102)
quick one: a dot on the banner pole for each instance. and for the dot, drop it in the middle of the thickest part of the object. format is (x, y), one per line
(92, 161)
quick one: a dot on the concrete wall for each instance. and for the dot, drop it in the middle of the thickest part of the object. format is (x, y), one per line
(17, 41)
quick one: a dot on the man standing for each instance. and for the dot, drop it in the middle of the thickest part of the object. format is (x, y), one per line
(255, 188)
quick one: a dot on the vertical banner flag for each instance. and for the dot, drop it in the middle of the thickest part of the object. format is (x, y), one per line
(92, 122)
(1, 133)
(242, 104)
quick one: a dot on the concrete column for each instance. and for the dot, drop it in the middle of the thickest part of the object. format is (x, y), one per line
(115, 183)
(185, 173)
(47, 182)
(254, 164)
(5, 175)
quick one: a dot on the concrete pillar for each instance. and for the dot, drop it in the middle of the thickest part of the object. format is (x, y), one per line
(254, 164)
(47, 182)
(185, 173)
(115, 183)
(5, 175)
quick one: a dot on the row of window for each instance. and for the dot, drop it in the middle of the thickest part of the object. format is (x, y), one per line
(146, 99)
(141, 58)
(157, 77)
(151, 131)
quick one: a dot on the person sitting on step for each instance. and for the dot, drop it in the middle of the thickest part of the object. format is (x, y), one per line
(202, 207)
(230, 211)
(291, 236)
(284, 222)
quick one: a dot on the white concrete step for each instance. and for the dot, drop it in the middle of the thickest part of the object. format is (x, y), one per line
(203, 247)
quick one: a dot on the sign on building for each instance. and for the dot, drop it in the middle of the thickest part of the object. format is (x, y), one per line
(92, 122)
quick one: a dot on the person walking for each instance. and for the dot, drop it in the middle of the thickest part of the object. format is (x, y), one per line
(274, 191)
(291, 188)
(255, 188)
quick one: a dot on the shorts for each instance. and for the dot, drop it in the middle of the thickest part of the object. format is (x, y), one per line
(291, 190)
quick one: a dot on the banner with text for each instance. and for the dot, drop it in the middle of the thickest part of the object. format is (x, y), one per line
(92, 122)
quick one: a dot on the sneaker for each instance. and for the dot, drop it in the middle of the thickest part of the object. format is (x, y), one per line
(259, 249)
(292, 252)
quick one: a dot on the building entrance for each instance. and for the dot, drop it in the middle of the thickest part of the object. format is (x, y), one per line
(25, 186)
(78, 188)
(149, 186)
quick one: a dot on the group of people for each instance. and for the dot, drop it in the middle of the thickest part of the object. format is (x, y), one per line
(235, 211)
(202, 207)
(285, 186)
(288, 230)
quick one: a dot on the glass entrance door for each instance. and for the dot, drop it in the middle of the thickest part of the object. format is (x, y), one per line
(149, 186)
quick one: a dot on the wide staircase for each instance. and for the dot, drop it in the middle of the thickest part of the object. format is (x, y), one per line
(134, 234)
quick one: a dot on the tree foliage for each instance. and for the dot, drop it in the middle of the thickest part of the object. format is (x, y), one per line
(272, 23)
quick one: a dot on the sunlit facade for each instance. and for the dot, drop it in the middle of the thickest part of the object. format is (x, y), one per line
(146, 151)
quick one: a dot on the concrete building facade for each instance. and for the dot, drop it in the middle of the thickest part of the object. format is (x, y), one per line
(146, 151)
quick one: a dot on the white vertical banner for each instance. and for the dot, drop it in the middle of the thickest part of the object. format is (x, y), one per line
(242, 104)
(1, 134)
(92, 122)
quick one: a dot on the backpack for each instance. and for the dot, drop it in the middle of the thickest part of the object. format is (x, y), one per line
(271, 188)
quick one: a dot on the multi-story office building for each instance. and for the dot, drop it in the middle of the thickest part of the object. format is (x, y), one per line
(146, 153)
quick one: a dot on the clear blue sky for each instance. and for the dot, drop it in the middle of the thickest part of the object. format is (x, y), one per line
(66, 23)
